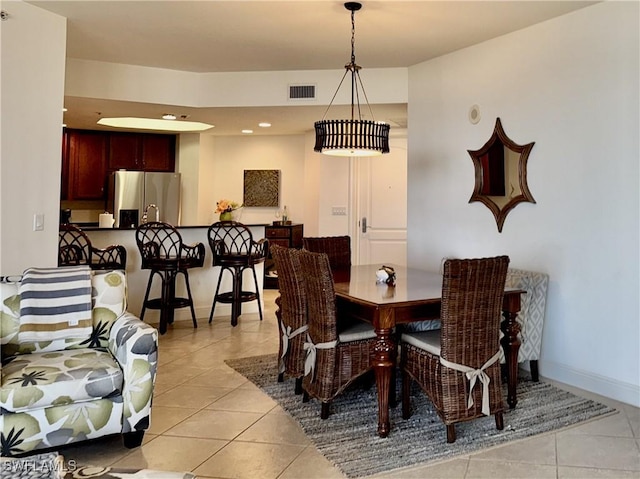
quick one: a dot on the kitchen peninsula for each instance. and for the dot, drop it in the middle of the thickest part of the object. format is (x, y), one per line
(203, 280)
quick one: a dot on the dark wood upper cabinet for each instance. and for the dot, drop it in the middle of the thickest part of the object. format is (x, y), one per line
(125, 151)
(142, 152)
(89, 157)
(159, 152)
(86, 162)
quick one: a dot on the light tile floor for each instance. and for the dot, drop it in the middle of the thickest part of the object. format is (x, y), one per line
(210, 420)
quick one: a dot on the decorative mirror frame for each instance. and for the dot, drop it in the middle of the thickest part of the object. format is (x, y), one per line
(500, 137)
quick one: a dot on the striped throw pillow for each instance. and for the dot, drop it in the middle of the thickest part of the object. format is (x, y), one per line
(55, 303)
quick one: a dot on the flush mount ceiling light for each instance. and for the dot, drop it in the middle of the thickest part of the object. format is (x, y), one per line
(169, 116)
(154, 124)
(354, 137)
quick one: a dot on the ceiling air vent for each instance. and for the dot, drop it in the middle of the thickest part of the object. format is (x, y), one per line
(302, 92)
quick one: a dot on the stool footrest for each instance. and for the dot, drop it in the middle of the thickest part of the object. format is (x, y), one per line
(244, 297)
(174, 303)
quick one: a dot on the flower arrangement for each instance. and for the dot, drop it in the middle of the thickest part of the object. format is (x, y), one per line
(225, 207)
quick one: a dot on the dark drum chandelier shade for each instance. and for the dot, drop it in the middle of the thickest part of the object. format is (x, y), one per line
(354, 137)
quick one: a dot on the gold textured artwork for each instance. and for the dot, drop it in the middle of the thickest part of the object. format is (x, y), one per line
(261, 188)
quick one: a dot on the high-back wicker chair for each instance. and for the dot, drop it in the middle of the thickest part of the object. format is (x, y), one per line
(165, 255)
(338, 248)
(291, 314)
(469, 342)
(235, 250)
(334, 358)
(75, 248)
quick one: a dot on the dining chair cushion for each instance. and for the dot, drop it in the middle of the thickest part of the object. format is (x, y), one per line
(427, 340)
(426, 325)
(357, 331)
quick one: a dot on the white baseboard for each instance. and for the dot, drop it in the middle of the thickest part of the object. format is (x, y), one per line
(620, 391)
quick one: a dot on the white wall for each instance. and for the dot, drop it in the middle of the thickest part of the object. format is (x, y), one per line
(32, 78)
(571, 86)
(230, 156)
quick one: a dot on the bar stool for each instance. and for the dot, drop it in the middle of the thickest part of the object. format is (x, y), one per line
(234, 250)
(75, 248)
(164, 254)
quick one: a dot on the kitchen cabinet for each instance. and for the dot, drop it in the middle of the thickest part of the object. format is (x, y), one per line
(88, 157)
(84, 162)
(141, 152)
(287, 236)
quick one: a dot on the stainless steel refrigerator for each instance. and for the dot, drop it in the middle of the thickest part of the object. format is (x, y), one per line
(130, 192)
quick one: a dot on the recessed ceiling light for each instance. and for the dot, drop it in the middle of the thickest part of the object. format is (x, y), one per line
(154, 124)
(264, 124)
(169, 116)
(247, 132)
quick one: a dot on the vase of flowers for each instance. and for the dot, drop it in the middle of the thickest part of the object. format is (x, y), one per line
(227, 209)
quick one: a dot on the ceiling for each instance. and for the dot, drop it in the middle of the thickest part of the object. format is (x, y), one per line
(237, 36)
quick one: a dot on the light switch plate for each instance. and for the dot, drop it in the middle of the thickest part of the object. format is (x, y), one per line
(38, 222)
(339, 210)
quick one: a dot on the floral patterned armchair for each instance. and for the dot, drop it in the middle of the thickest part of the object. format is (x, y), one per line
(67, 390)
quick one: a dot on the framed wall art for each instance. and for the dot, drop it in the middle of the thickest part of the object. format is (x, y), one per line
(261, 188)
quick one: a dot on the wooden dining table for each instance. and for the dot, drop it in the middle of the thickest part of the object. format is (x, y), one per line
(416, 296)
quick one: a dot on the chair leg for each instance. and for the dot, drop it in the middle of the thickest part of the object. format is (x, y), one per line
(255, 281)
(298, 387)
(193, 311)
(146, 295)
(324, 411)
(281, 377)
(236, 305)
(132, 439)
(406, 395)
(451, 433)
(533, 365)
(305, 396)
(215, 295)
(499, 421)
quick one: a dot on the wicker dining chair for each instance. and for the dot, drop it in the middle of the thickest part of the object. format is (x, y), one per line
(291, 314)
(334, 359)
(338, 248)
(75, 248)
(468, 344)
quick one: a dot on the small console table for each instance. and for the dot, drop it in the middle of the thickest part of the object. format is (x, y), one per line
(285, 235)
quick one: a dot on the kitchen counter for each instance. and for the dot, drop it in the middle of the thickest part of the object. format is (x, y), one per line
(95, 227)
(203, 280)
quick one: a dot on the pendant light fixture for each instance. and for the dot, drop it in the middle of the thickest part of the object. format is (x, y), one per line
(354, 137)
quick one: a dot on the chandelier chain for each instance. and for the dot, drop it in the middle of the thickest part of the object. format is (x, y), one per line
(353, 38)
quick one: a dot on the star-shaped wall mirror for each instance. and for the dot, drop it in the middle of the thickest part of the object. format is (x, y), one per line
(501, 174)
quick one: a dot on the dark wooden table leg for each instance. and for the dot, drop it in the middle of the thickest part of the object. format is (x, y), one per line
(383, 362)
(511, 344)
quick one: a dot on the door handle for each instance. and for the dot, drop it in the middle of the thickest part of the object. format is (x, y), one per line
(363, 223)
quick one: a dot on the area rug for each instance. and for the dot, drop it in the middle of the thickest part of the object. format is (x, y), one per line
(349, 440)
(52, 465)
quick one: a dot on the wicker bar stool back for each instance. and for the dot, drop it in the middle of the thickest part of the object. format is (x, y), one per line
(334, 359)
(291, 314)
(234, 250)
(164, 254)
(338, 248)
(75, 248)
(469, 341)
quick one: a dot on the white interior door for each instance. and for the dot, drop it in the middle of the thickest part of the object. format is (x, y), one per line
(380, 197)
